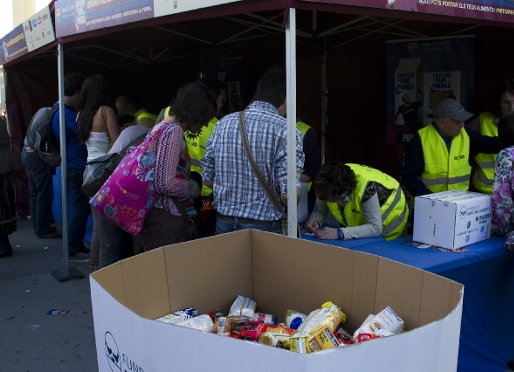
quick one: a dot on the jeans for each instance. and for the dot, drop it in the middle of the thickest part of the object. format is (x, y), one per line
(80, 209)
(223, 226)
(41, 191)
(111, 240)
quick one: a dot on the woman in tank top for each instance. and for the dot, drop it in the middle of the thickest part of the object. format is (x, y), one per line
(98, 129)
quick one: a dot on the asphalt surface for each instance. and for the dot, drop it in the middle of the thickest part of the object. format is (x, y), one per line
(30, 339)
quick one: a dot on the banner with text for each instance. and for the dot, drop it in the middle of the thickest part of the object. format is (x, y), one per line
(77, 16)
(419, 74)
(495, 10)
(32, 34)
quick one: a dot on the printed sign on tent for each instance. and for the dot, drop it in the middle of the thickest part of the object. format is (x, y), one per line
(419, 74)
(13, 45)
(167, 7)
(38, 30)
(497, 10)
(77, 16)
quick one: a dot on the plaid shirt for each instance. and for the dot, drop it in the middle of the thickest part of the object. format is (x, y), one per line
(237, 191)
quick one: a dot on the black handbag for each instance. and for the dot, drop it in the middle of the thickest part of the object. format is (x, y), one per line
(98, 170)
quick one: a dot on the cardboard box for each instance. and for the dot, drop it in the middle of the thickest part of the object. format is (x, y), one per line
(452, 219)
(279, 273)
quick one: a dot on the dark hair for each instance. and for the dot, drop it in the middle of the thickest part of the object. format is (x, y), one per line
(506, 131)
(94, 94)
(195, 104)
(333, 180)
(72, 84)
(214, 84)
(504, 86)
(272, 87)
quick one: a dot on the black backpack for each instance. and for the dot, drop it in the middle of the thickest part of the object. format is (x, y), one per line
(47, 145)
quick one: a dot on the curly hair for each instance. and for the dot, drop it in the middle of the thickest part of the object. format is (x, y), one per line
(93, 95)
(333, 180)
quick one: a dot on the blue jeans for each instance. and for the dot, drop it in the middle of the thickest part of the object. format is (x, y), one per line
(41, 191)
(80, 209)
(223, 226)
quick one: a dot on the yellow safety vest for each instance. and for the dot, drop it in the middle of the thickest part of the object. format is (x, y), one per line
(196, 148)
(394, 211)
(445, 171)
(483, 178)
(303, 129)
(143, 114)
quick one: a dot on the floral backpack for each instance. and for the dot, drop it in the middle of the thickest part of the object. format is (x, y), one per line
(128, 195)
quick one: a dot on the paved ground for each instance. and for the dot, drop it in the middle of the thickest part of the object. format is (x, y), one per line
(31, 340)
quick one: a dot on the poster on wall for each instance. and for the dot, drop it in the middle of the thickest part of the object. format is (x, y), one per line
(495, 10)
(419, 74)
(77, 16)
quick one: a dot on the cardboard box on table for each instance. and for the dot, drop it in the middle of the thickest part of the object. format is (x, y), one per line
(452, 219)
(279, 273)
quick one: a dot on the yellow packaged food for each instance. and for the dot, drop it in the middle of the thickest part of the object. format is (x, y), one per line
(328, 304)
(329, 317)
(298, 345)
(323, 339)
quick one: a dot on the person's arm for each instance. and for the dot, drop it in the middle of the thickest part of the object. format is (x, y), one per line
(414, 167)
(483, 144)
(169, 146)
(373, 225)
(312, 157)
(112, 124)
(318, 215)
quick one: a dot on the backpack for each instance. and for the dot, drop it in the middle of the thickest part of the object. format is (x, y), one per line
(47, 145)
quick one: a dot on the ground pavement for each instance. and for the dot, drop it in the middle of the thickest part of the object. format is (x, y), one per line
(30, 339)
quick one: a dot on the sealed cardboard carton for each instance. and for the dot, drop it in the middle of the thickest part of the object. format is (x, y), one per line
(452, 219)
(279, 273)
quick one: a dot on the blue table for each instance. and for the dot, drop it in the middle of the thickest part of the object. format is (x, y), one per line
(487, 272)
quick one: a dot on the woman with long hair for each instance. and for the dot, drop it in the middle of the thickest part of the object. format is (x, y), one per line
(194, 107)
(98, 129)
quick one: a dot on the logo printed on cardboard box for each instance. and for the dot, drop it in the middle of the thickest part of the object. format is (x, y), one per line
(116, 359)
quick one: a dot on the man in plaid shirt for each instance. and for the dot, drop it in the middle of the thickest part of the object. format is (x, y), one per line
(239, 198)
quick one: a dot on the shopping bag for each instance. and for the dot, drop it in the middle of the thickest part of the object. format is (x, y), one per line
(128, 195)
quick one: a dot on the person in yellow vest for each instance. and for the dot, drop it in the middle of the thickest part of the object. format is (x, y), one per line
(126, 106)
(365, 201)
(486, 123)
(437, 157)
(312, 153)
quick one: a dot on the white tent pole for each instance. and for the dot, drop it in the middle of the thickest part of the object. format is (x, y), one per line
(68, 272)
(324, 99)
(62, 135)
(292, 206)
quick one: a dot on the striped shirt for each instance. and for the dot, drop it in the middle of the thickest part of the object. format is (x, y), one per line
(172, 166)
(237, 191)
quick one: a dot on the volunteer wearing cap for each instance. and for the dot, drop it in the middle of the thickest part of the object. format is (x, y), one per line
(437, 157)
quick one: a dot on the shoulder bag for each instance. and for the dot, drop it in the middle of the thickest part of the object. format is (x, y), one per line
(128, 195)
(264, 184)
(98, 170)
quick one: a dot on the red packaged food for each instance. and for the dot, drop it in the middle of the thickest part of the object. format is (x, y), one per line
(252, 330)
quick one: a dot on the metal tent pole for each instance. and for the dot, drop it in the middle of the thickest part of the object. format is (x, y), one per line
(68, 272)
(292, 203)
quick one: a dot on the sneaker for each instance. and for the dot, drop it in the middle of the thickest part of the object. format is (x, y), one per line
(510, 364)
(54, 234)
(80, 257)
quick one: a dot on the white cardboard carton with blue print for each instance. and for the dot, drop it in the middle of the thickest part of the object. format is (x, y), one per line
(279, 273)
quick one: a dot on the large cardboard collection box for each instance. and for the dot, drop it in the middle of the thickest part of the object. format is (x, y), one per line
(279, 273)
(452, 219)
